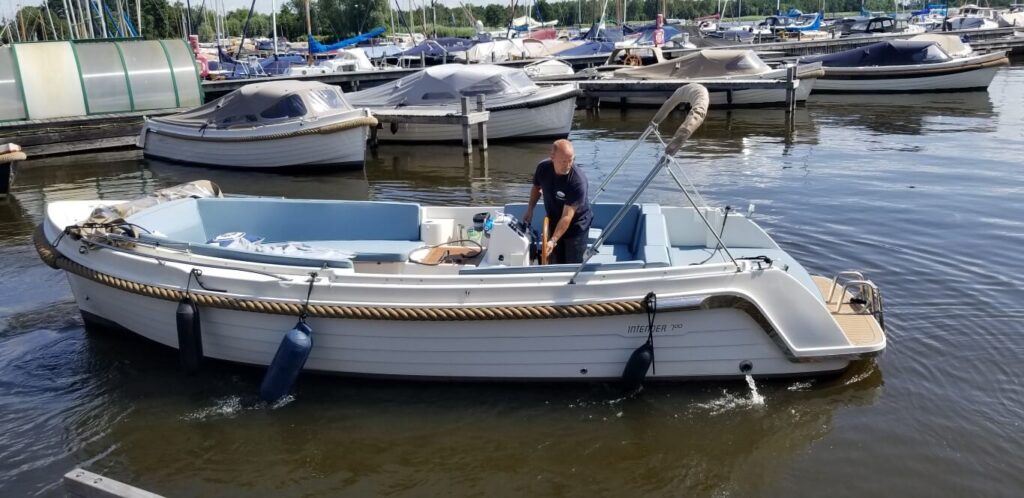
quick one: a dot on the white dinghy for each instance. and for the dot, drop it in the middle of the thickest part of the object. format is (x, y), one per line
(392, 289)
(518, 108)
(278, 124)
(906, 66)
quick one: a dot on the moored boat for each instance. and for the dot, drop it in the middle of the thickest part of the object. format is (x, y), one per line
(393, 289)
(902, 66)
(518, 108)
(721, 64)
(275, 124)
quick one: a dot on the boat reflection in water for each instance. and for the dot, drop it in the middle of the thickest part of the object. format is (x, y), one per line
(909, 114)
(355, 440)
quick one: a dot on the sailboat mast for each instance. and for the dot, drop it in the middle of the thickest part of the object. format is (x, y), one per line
(309, 34)
(138, 16)
(273, 22)
(53, 29)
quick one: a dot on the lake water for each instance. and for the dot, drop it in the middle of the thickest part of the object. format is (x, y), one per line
(924, 193)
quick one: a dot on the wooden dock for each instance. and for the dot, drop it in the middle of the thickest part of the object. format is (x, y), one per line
(594, 90)
(80, 483)
(60, 136)
(470, 115)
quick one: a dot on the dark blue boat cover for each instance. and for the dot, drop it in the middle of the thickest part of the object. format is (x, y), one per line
(888, 53)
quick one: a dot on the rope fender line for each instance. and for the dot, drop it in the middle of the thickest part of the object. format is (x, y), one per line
(348, 124)
(54, 259)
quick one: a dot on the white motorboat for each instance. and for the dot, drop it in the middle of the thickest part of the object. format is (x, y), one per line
(902, 66)
(398, 290)
(549, 69)
(1013, 18)
(519, 109)
(265, 125)
(721, 64)
(972, 16)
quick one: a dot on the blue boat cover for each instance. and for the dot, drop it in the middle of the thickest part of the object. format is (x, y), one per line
(589, 48)
(888, 53)
(317, 47)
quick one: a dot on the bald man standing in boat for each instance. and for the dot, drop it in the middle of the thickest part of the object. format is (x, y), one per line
(566, 203)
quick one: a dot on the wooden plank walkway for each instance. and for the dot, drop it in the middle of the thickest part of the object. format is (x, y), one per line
(80, 483)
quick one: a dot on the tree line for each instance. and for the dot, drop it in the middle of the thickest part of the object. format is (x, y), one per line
(337, 19)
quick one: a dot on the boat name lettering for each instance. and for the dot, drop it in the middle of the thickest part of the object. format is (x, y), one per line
(658, 329)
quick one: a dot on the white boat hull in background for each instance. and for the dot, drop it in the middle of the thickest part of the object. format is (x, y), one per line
(545, 121)
(978, 79)
(751, 97)
(339, 149)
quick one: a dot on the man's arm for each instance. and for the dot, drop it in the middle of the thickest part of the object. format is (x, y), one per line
(534, 197)
(568, 211)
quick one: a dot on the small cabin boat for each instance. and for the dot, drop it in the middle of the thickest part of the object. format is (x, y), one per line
(397, 289)
(901, 66)
(721, 64)
(278, 124)
(519, 109)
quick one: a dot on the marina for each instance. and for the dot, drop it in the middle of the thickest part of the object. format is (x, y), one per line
(252, 293)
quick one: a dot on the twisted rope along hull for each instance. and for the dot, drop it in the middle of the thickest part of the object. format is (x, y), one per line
(52, 258)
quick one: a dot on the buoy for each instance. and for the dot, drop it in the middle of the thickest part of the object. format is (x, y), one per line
(190, 335)
(637, 366)
(288, 362)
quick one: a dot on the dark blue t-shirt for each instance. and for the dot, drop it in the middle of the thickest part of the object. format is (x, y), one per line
(560, 190)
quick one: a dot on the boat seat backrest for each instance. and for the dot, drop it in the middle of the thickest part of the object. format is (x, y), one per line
(283, 220)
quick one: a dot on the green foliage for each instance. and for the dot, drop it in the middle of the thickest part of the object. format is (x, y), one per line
(337, 19)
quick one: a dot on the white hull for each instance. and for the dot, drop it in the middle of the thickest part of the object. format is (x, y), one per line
(550, 120)
(967, 80)
(748, 97)
(345, 148)
(710, 343)
(724, 317)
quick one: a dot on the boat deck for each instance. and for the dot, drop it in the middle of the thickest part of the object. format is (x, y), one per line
(861, 329)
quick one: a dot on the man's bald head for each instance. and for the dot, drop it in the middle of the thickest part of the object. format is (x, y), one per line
(562, 156)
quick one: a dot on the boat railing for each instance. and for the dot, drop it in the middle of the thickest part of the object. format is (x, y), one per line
(696, 96)
(870, 295)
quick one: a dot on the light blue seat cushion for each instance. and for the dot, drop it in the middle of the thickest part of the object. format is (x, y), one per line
(689, 255)
(384, 251)
(265, 258)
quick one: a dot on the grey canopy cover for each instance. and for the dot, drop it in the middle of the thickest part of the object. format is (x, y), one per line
(702, 64)
(264, 103)
(447, 84)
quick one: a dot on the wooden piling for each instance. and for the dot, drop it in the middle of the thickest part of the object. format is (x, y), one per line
(481, 128)
(467, 137)
(791, 83)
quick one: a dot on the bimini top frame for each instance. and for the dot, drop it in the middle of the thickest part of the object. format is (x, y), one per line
(696, 96)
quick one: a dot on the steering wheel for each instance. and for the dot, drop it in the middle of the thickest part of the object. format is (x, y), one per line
(633, 60)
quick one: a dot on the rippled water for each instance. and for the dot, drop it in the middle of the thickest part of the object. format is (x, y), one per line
(924, 193)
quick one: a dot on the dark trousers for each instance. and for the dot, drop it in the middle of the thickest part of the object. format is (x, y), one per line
(570, 249)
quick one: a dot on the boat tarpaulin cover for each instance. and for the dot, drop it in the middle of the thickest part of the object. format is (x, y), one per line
(266, 102)
(951, 44)
(447, 84)
(117, 213)
(589, 48)
(887, 53)
(702, 64)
